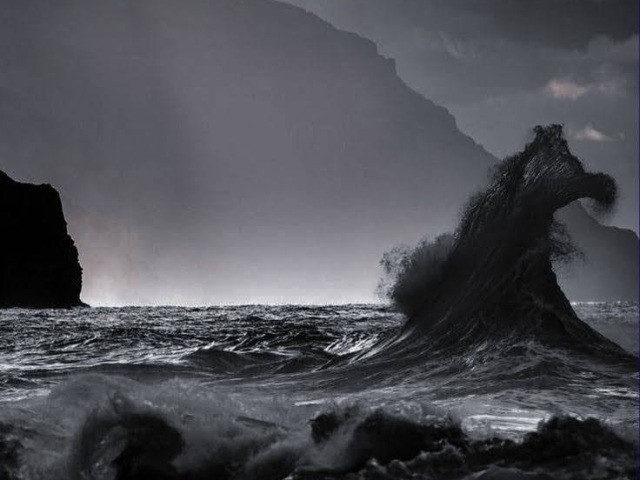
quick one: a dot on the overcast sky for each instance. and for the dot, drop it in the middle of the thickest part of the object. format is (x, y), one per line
(223, 151)
(501, 66)
(234, 151)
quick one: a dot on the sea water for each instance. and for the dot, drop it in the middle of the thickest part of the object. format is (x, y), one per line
(244, 383)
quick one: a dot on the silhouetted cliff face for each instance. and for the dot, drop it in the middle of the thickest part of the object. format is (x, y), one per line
(38, 260)
(608, 269)
(224, 151)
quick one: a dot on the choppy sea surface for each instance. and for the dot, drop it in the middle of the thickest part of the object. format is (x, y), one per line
(246, 382)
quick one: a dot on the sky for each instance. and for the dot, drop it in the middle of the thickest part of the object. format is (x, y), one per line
(501, 66)
(248, 152)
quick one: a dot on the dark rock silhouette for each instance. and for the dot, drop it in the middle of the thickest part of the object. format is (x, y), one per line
(39, 265)
(497, 280)
(260, 120)
(607, 268)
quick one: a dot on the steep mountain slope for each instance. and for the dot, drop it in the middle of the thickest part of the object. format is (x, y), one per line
(230, 151)
(607, 267)
(227, 151)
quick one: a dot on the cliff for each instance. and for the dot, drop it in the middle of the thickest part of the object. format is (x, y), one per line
(39, 265)
(225, 151)
(607, 267)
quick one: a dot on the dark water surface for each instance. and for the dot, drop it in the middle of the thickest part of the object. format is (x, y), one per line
(243, 383)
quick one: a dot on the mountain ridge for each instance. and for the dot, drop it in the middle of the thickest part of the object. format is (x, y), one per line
(237, 150)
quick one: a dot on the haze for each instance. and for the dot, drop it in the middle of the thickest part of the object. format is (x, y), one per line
(248, 152)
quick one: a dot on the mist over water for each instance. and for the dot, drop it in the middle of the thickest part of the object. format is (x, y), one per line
(489, 373)
(180, 137)
(243, 151)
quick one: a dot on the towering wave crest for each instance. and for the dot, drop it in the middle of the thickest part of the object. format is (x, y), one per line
(493, 278)
(409, 272)
(133, 434)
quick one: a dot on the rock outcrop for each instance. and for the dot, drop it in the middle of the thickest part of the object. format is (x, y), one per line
(607, 268)
(39, 265)
(225, 151)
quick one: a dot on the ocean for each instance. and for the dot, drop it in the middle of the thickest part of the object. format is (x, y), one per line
(280, 392)
(489, 372)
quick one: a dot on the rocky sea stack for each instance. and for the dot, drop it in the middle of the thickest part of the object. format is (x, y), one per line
(39, 265)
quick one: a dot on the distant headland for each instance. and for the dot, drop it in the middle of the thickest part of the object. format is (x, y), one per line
(39, 265)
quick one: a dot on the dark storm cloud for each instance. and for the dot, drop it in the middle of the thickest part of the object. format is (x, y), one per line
(506, 44)
(502, 66)
(569, 24)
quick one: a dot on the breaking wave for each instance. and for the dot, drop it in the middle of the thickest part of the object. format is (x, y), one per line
(493, 279)
(302, 393)
(127, 437)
